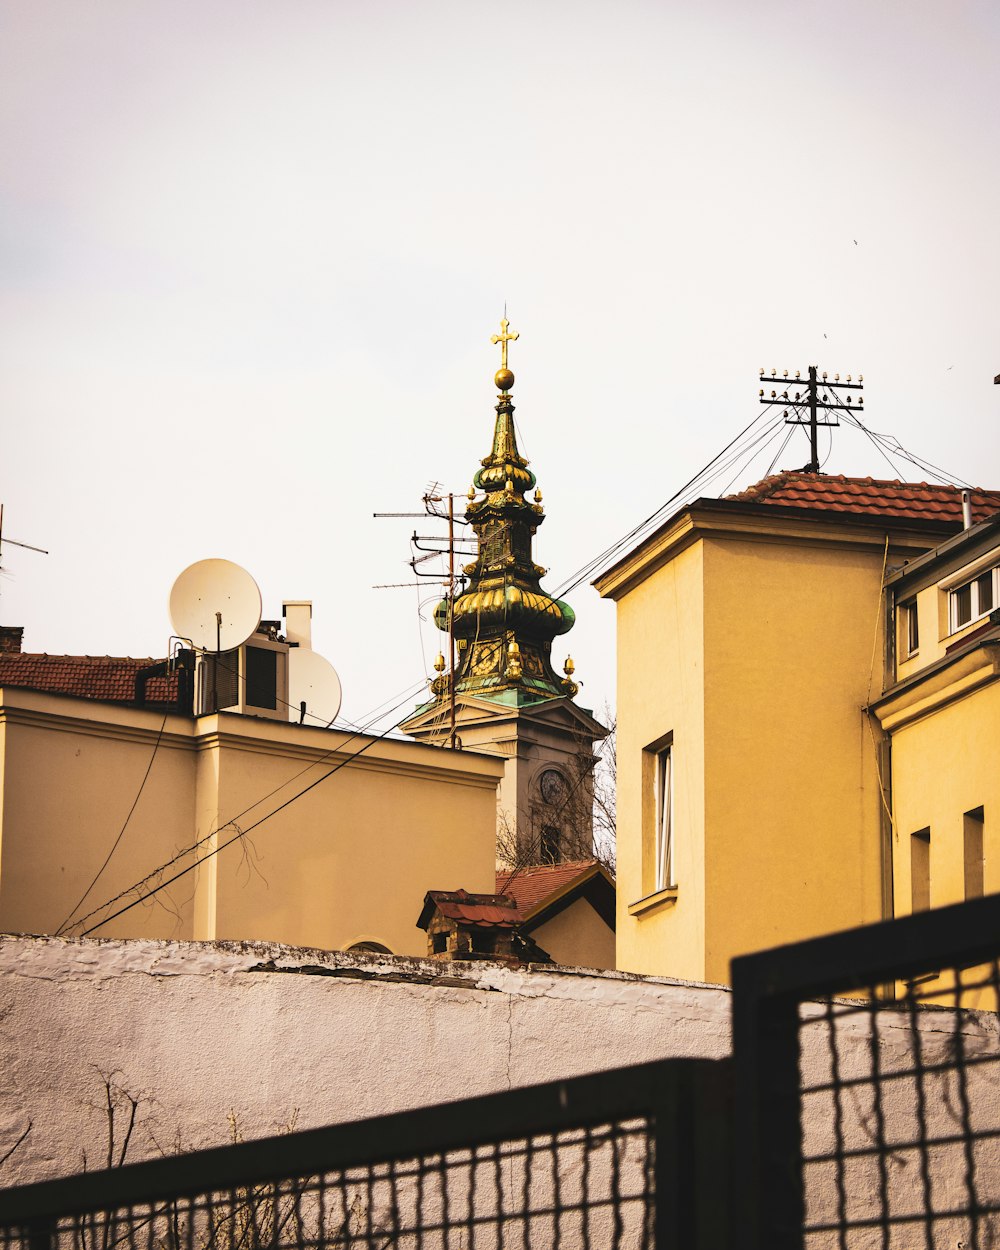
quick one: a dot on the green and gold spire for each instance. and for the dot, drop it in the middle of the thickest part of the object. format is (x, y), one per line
(504, 623)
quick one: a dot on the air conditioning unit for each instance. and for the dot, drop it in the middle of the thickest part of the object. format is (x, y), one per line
(251, 679)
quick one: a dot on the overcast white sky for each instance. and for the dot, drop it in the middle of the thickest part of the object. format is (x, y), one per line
(253, 253)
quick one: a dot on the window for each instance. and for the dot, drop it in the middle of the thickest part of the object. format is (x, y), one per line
(663, 847)
(973, 599)
(920, 870)
(549, 849)
(973, 829)
(908, 628)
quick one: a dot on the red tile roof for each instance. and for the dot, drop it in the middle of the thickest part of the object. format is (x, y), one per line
(105, 677)
(487, 911)
(917, 501)
(531, 887)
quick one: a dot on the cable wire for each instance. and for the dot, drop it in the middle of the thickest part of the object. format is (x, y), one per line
(188, 850)
(121, 831)
(242, 833)
(585, 570)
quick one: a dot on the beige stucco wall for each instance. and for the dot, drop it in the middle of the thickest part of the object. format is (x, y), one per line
(756, 641)
(944, 765)
(793, 646)
(661, 684)
(577, 935)
(349, 860)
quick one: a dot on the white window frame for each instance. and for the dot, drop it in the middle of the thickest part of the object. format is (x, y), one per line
(976, 612)
(663, 829)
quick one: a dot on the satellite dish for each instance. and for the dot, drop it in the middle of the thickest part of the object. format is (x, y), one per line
(216, 604)
(312, 680)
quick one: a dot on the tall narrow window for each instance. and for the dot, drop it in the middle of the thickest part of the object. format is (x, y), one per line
(920, 870)
(973, 822)
(549, 848)
(664, 840)
(909, 628)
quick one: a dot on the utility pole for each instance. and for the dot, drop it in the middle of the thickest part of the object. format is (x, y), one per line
(439, 547)
(820, 395)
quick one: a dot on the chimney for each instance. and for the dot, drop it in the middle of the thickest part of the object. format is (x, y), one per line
(967, 509)
(10, 639)
(298, 621)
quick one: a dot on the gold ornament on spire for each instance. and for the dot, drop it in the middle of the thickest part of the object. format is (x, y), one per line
(503, 378)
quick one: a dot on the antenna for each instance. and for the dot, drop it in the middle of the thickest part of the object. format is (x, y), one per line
(216, 605)
(313, 687)
(814, 396)
(13, 543)
(452, 581)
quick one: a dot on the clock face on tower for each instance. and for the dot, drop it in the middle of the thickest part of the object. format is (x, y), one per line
(552, 786)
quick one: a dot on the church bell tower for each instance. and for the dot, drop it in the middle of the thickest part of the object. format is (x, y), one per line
(508, 698)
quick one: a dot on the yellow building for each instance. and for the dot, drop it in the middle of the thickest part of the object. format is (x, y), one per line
(244, 827)
(750, 636)
(940, 714)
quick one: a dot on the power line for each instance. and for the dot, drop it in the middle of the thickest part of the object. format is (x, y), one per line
(121, 832)
(188, 850)
(585, 570)
(242, 833)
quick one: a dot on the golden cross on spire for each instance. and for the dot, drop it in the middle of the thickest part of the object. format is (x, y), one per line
(503, 338)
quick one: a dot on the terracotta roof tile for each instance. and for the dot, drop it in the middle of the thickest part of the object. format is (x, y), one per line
(488, 911)
(530, 887)
(917, 501)
(108, 678)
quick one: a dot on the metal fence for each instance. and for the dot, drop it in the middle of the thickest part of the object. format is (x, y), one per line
(868, 1077)
(623, 1160)
(861, 1111)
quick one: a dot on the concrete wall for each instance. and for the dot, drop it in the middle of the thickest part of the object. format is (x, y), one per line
(217, 1038)
(204, 1030)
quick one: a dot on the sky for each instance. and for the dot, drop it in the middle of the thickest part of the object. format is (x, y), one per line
(253, 252)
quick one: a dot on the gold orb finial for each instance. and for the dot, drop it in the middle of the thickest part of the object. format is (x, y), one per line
(504, 380)
(569, 668)
(439, 663)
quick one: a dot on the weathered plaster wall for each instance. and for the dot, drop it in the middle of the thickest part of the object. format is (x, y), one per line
(200, 1030)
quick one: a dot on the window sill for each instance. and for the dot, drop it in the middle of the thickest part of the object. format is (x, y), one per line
(660, 898)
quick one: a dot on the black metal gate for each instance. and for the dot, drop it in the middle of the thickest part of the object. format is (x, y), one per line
(623, 1160)
(872, 1120)
(842, 1123)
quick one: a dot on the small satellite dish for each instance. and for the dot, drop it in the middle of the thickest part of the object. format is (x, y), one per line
(313, 681)
(216, 604)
